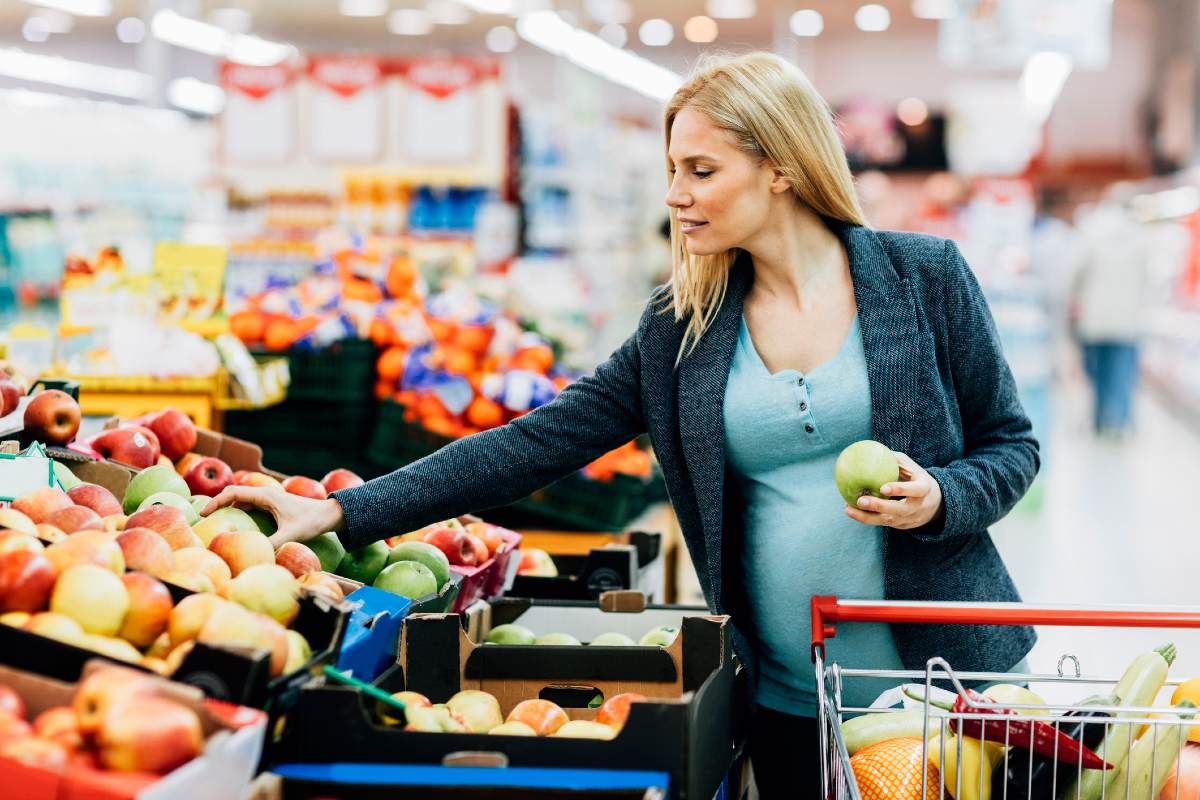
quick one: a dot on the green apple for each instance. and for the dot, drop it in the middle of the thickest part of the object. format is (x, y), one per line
(407, 579)
(263, 519)
(510, 634)
(479, 711)
(171, 499)
(862, 468)
(661, 636)
(557, 638)
(199, 501)
(153, 480)
(329, 550)
(364, 564)
(299, 652)
(423, 553)
(612, 640)
(222, 520)
(67, 479)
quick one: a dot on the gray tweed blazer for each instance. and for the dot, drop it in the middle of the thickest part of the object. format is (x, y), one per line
(941, 391)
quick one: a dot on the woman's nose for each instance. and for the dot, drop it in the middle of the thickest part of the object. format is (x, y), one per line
(676, 198)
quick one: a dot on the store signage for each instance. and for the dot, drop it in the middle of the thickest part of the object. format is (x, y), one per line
(345, 75)
(444, 103)
(345, 117)
(441, 78)
(256, 83)
(258, 124)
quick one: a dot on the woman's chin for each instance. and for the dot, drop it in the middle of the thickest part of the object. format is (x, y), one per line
(702, 248)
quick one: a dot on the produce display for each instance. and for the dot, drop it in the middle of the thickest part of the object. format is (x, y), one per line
(510, 633)
(983, 749)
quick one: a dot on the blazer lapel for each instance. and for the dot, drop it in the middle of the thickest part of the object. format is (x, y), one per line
(888, 319)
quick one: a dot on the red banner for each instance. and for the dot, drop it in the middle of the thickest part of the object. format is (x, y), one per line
(255, 82)
(442, 77)
(345, 75)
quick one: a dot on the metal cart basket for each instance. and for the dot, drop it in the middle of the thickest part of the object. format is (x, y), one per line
(1062, 779)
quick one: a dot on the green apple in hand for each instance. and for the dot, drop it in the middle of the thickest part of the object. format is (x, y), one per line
(862, 468)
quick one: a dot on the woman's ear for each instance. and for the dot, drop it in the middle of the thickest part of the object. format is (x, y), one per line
(778, 182)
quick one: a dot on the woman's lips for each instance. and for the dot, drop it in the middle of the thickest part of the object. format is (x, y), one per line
(691, 227)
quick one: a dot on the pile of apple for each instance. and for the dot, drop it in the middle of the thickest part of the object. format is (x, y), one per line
(536, 562)
(118, 720)
(473, 711)
(77, 588)
(509, 633)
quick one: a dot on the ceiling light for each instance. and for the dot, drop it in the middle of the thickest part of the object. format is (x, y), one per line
(700, 30)
(56, 21)
(192, 34)
(807, 22)
(656, 33)
(362, 8)
(409, 22)
(933, 9)
(35, 30)
(731, 9)
(447, 12)
(912, 111)
(501, 39)
(131, 30)
(75, 74)
(609, 11)
(234, 20)
(547, 30)
(195, 95)
(80, 8)
(614, 34)
(491, 6)
(873, 18)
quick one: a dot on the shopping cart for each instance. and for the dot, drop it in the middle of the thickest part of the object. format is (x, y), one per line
(938, 726)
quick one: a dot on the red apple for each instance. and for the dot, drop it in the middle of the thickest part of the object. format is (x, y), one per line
(455, 544)
(242, 549)
(52, 417)
(11, 702)
(97, 498)
(208, 476)
(104, 690)
(297, 559)
(15, 540)
(61, 725)
(39, 504)
(238, 475)
(149, 608)
(255, 479)
(14, 520)
(198, 561)
(184, 465)
(10, 397)
(169, 522)
(490, 535)
(149, 734)
(50, 533)
(88, 547)
(305, 487)
(147, 551)
(13, 727)
(135, 446)
(537, 562)
(36, 752)
(340, 479)
(322, 583)
(175, 431)
(26, 580)
(75, 519)
(615, 709)
(481, 549)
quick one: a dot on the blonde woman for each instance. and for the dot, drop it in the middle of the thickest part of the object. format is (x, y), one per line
(788, 331)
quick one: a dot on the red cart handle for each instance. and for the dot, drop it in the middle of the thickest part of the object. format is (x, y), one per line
(827, 611)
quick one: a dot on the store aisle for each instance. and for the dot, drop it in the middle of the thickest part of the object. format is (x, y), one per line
(1116, 527)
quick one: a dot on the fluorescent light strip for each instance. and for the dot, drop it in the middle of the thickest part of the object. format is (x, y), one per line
(1042, 81)
(195, 95)
(192, 34)
(80, 8)
(548, 31)
(75, 74)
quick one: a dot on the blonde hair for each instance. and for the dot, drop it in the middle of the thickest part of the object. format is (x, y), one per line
(774, 113)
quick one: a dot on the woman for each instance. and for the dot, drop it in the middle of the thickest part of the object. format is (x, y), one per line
(789, 330)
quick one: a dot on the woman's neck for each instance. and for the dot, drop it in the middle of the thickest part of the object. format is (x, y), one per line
(795, 257)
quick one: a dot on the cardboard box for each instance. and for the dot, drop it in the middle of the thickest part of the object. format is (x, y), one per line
(234, 739)
(634, 561)
(686, 732)
(233, 675)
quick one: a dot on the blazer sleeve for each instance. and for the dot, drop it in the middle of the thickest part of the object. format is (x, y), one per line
(1000, 454)
(496, 467)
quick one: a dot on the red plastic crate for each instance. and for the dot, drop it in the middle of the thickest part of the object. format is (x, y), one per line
(486, 579)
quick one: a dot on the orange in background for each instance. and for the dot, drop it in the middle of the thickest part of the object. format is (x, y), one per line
(401, 277)
(390, 364)
(361, 290)
(475, 338)
(484, 413)
(537, 358)
(280, 333)
(457, 361)
(381, 332)
(384, 388)
(442, 330)
(249, 326)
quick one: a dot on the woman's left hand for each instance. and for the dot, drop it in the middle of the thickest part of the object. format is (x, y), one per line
(921, 499)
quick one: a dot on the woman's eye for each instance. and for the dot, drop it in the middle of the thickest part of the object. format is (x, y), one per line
(699, 173)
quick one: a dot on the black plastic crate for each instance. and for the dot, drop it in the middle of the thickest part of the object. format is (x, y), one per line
(337, 426)
(344, 371)
(574, 501)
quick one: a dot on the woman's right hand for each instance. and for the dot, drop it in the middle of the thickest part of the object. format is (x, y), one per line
(297, 518)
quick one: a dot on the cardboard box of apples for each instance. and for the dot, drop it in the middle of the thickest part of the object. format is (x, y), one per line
(145, 580)
(119, 734)
(664, 706)
(631, 560)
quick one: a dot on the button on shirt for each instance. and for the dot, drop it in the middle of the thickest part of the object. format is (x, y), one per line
(783, 433)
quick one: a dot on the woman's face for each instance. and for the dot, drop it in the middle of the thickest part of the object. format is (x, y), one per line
(721, 196)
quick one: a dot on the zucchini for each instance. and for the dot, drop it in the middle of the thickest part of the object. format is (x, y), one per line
(1146, 769)
(1139, 686)
(868, 729)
